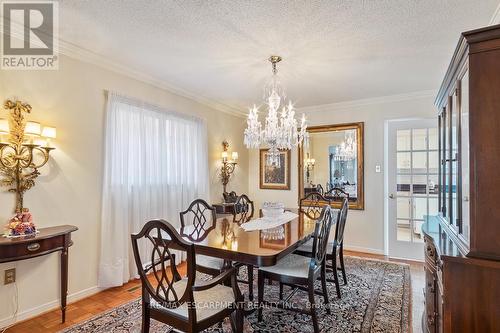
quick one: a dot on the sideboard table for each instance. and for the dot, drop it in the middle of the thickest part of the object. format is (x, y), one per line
(224, 208)
(48, 240)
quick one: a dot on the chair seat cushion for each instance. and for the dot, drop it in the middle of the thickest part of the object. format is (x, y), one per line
(209, 262)
(208, 302)
(292, 265)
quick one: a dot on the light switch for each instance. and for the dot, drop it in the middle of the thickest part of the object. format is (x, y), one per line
(377, 168)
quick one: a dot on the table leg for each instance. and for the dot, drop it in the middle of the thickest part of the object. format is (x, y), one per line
(64, 282)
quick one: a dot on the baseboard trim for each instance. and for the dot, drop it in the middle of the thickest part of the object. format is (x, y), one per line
(55, 304)
(364, 249)
(407, 259)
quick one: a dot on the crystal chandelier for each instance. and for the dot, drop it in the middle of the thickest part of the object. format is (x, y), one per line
(280, 130)
(346, 151)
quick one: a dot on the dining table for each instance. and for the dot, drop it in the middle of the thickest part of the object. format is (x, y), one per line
(228, 240)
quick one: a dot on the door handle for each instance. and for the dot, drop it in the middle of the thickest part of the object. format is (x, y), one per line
(391, 196)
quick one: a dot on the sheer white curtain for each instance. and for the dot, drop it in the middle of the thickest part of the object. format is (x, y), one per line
(156, 163)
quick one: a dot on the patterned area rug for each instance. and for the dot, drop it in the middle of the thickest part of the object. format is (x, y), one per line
(376, 299)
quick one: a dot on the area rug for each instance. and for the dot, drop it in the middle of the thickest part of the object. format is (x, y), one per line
(376, 299)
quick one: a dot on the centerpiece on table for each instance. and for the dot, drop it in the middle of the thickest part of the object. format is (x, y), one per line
(272, 211)
(21, 224)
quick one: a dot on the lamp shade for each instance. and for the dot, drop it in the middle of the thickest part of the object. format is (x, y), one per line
(224, 154)
(234, 156)
(4, 126)
(49, 132)
(32, 128)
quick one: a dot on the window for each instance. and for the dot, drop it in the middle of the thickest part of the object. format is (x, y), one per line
(156, 163)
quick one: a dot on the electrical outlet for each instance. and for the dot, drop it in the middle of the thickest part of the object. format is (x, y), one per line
(10, 276)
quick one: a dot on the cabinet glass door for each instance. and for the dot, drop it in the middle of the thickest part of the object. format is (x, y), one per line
(446, 164)
(464, 156)
(455, 118)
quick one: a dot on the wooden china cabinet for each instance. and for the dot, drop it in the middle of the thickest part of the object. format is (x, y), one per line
(462, 243)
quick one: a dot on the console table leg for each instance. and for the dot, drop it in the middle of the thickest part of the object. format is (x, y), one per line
(64, 282)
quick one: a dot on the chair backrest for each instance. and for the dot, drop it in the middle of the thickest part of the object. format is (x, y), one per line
(243, 209)
(311, 205)
(161, 266)
(321, 235)
(341, 222)
(337, 194)
(198, 220)
(319, 189)
(230, 197)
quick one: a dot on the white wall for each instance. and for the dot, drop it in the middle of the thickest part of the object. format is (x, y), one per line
(69, 189)
(365, 229)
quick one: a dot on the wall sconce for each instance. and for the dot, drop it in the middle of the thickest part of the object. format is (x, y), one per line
(20, 155)
(309, 167)
(228, 165)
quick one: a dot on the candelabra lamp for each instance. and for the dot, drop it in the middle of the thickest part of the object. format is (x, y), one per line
(309, 167)
(228, 165)
(21, 152)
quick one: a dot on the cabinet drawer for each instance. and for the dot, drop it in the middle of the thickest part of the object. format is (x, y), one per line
(25, 250)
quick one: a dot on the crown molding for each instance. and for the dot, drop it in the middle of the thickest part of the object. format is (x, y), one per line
(369, 101)
(495, 19)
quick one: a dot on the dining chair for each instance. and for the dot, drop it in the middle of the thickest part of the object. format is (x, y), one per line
(336, 194)
(301, 272)
(337, 246)
(243, 209)
(312, 204)
(183, 303)
(319, 189)
(196, 222)
(243, 212)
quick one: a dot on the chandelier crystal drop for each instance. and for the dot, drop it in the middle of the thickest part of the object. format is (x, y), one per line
(346, 151)
(280, 130)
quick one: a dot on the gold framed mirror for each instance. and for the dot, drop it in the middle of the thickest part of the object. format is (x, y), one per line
(332, 163)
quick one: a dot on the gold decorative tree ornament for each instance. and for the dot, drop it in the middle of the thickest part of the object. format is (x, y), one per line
(20, 155)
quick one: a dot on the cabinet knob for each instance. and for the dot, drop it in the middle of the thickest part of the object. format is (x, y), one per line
(33, 247)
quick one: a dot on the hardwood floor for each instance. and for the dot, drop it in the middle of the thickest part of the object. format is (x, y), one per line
(86, 308)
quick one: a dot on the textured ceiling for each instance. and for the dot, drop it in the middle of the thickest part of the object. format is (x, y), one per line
(333, 51)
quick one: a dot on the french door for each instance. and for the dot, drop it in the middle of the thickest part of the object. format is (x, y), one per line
(413, 184)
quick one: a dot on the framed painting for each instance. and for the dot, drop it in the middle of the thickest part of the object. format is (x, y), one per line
(275, 178)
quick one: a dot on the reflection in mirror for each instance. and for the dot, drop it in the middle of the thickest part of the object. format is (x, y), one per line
(334, 162)
(331, 165)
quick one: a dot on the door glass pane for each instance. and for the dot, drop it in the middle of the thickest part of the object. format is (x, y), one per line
(433, 184)
(433, 138)
(403, 140)
(403, 160)
(403, 208)
(433, 162)
(419, 207)
(403, 185)
(403, 233)
(419, 184)
(420, 139)
(417, 231)
(433, 206)
(420, 162)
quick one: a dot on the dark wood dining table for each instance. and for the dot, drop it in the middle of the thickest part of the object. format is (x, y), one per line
(230, 241)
